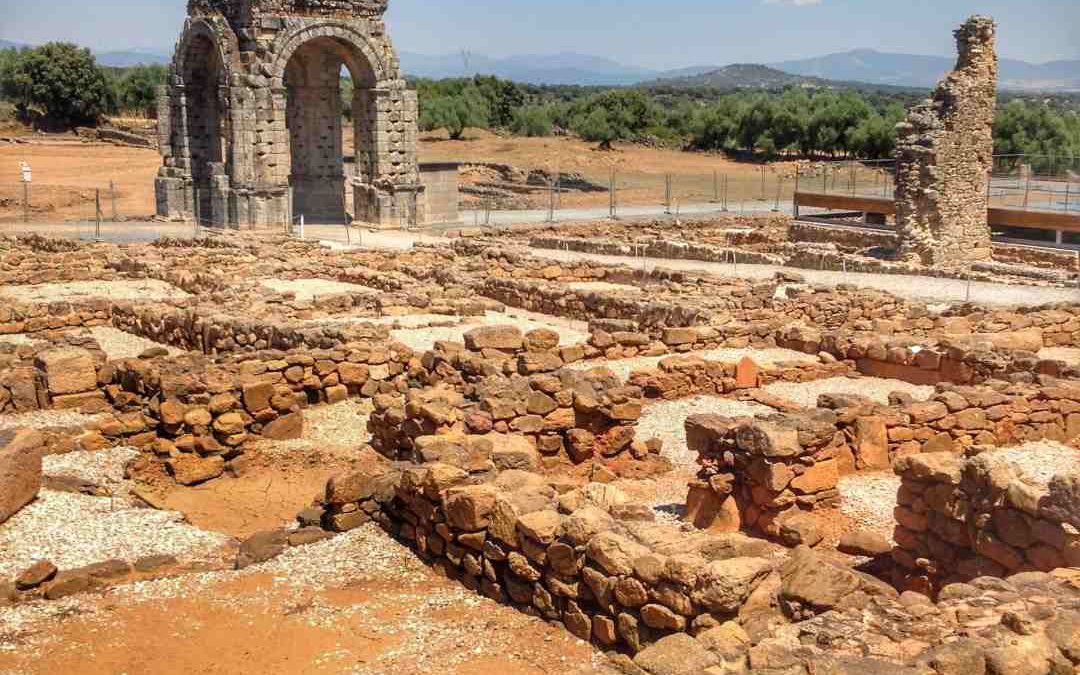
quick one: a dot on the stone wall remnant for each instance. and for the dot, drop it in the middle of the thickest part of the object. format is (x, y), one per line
(945, 155)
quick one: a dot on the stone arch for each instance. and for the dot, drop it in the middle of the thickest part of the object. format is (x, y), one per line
(222, 39)
(203, 70)
(349, 36)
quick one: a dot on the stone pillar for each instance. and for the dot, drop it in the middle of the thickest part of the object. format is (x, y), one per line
(945, 156)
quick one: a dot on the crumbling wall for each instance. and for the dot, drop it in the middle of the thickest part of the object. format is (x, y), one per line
(944, 157)
(958, 519)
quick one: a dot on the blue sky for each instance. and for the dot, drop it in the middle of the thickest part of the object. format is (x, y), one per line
(657, 33)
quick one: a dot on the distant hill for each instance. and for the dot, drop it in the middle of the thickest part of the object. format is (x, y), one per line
(113, 59)
(869, 66)
(564, 68)
(913, 70)
(740, 76)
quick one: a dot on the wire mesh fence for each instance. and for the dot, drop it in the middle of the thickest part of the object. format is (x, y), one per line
(1033, 182)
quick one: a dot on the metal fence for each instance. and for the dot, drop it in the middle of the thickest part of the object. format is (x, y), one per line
(1034, 182)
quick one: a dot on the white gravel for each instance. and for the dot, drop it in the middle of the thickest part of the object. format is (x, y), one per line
(764, 357)
(47, 419)
(666, 420)
(601, 286)
(118, 344)
(17, 339)
(342, 425)
(876, 388)
(309, 289)
(143, 289)
(76, 530)
(926, 289)
(1040, 461)
(868, 499)
(423, 339)
(1066, 354)
(100, 467)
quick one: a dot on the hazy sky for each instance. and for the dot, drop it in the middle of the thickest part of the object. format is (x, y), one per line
(657, 34)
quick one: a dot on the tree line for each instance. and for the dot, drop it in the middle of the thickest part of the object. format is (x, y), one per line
(794, 122)
(64, 83)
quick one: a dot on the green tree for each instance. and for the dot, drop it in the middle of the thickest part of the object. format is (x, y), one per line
(455, 112)
(62, 80)
(503, 99)
(137, 88)
(617, 115)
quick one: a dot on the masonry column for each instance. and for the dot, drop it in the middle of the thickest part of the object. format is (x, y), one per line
(945, 156)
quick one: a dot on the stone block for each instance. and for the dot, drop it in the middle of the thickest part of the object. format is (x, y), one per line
(20, 469)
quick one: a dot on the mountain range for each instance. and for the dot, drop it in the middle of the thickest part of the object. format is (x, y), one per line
(857, 66)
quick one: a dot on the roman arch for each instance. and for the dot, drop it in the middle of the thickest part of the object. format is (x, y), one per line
(252, 122)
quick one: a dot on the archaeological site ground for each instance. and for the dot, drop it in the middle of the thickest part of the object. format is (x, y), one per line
(840, 442)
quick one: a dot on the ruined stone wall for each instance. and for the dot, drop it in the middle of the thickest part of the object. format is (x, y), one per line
(958, 519)
(945, 155)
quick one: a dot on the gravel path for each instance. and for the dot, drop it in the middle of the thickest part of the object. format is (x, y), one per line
(47, 419)
(309, 289)
(764, 357)
(1041, 460)
(666, 420)
(144, 289)
(75, 530)
(806, 393)
(423, 339)
(911, 287)
(118, 344)
(868, 499)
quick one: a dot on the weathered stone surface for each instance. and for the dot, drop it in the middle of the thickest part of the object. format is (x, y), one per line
(501, 337)
(68, 370)
(20, 469)
(190, 469)
(286, 427)
(260, 547)
(723, 585)
(677, 654)
(35, 575)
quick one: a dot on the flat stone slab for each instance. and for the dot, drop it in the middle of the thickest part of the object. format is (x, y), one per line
(20, 469)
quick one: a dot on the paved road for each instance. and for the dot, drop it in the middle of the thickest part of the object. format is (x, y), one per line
(925, 289)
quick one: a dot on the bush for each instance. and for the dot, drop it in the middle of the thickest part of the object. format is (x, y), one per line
(62, 80)
(532, 121)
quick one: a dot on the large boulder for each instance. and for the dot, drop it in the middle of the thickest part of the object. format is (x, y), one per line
(20, 469)
(677, 654)
(723, 585)
(505, 338)
(68, 370)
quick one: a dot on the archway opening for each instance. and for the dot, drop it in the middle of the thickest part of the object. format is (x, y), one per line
(320, 178)
(203, 107)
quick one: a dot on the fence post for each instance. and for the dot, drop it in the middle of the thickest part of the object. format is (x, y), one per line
(97, 214)
(667, 194)
(779, 190)
(26, 201)
(613, 205)
(112, 197)
(762, 182)
(795, 194)
(551, 202)
(715, 187)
